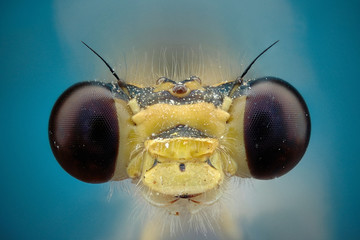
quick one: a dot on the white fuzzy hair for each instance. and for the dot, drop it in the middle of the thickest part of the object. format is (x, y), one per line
(178, 63)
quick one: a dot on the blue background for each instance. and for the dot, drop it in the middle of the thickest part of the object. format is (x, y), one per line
(40, 201)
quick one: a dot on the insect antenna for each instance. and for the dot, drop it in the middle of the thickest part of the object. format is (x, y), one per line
(120, 81)
(240, 79)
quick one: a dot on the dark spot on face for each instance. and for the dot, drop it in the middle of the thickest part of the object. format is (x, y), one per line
(182, 167)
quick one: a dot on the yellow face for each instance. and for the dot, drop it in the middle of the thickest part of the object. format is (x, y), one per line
(181, 149)
(179, 141)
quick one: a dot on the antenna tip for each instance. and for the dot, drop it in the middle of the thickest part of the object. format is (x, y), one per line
(275, 42)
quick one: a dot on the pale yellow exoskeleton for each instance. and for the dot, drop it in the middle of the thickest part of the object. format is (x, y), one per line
(180, 141)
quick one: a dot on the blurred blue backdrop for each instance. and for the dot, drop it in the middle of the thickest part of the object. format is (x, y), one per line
(41, 56)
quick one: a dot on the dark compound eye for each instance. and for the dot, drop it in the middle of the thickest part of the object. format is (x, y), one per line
(84, 132)
(276, 127)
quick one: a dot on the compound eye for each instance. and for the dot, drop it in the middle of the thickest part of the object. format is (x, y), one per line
(84, 132)
(276, 127)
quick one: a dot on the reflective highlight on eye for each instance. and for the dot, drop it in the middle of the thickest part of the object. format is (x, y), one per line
(276, 127)
(84, 132)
